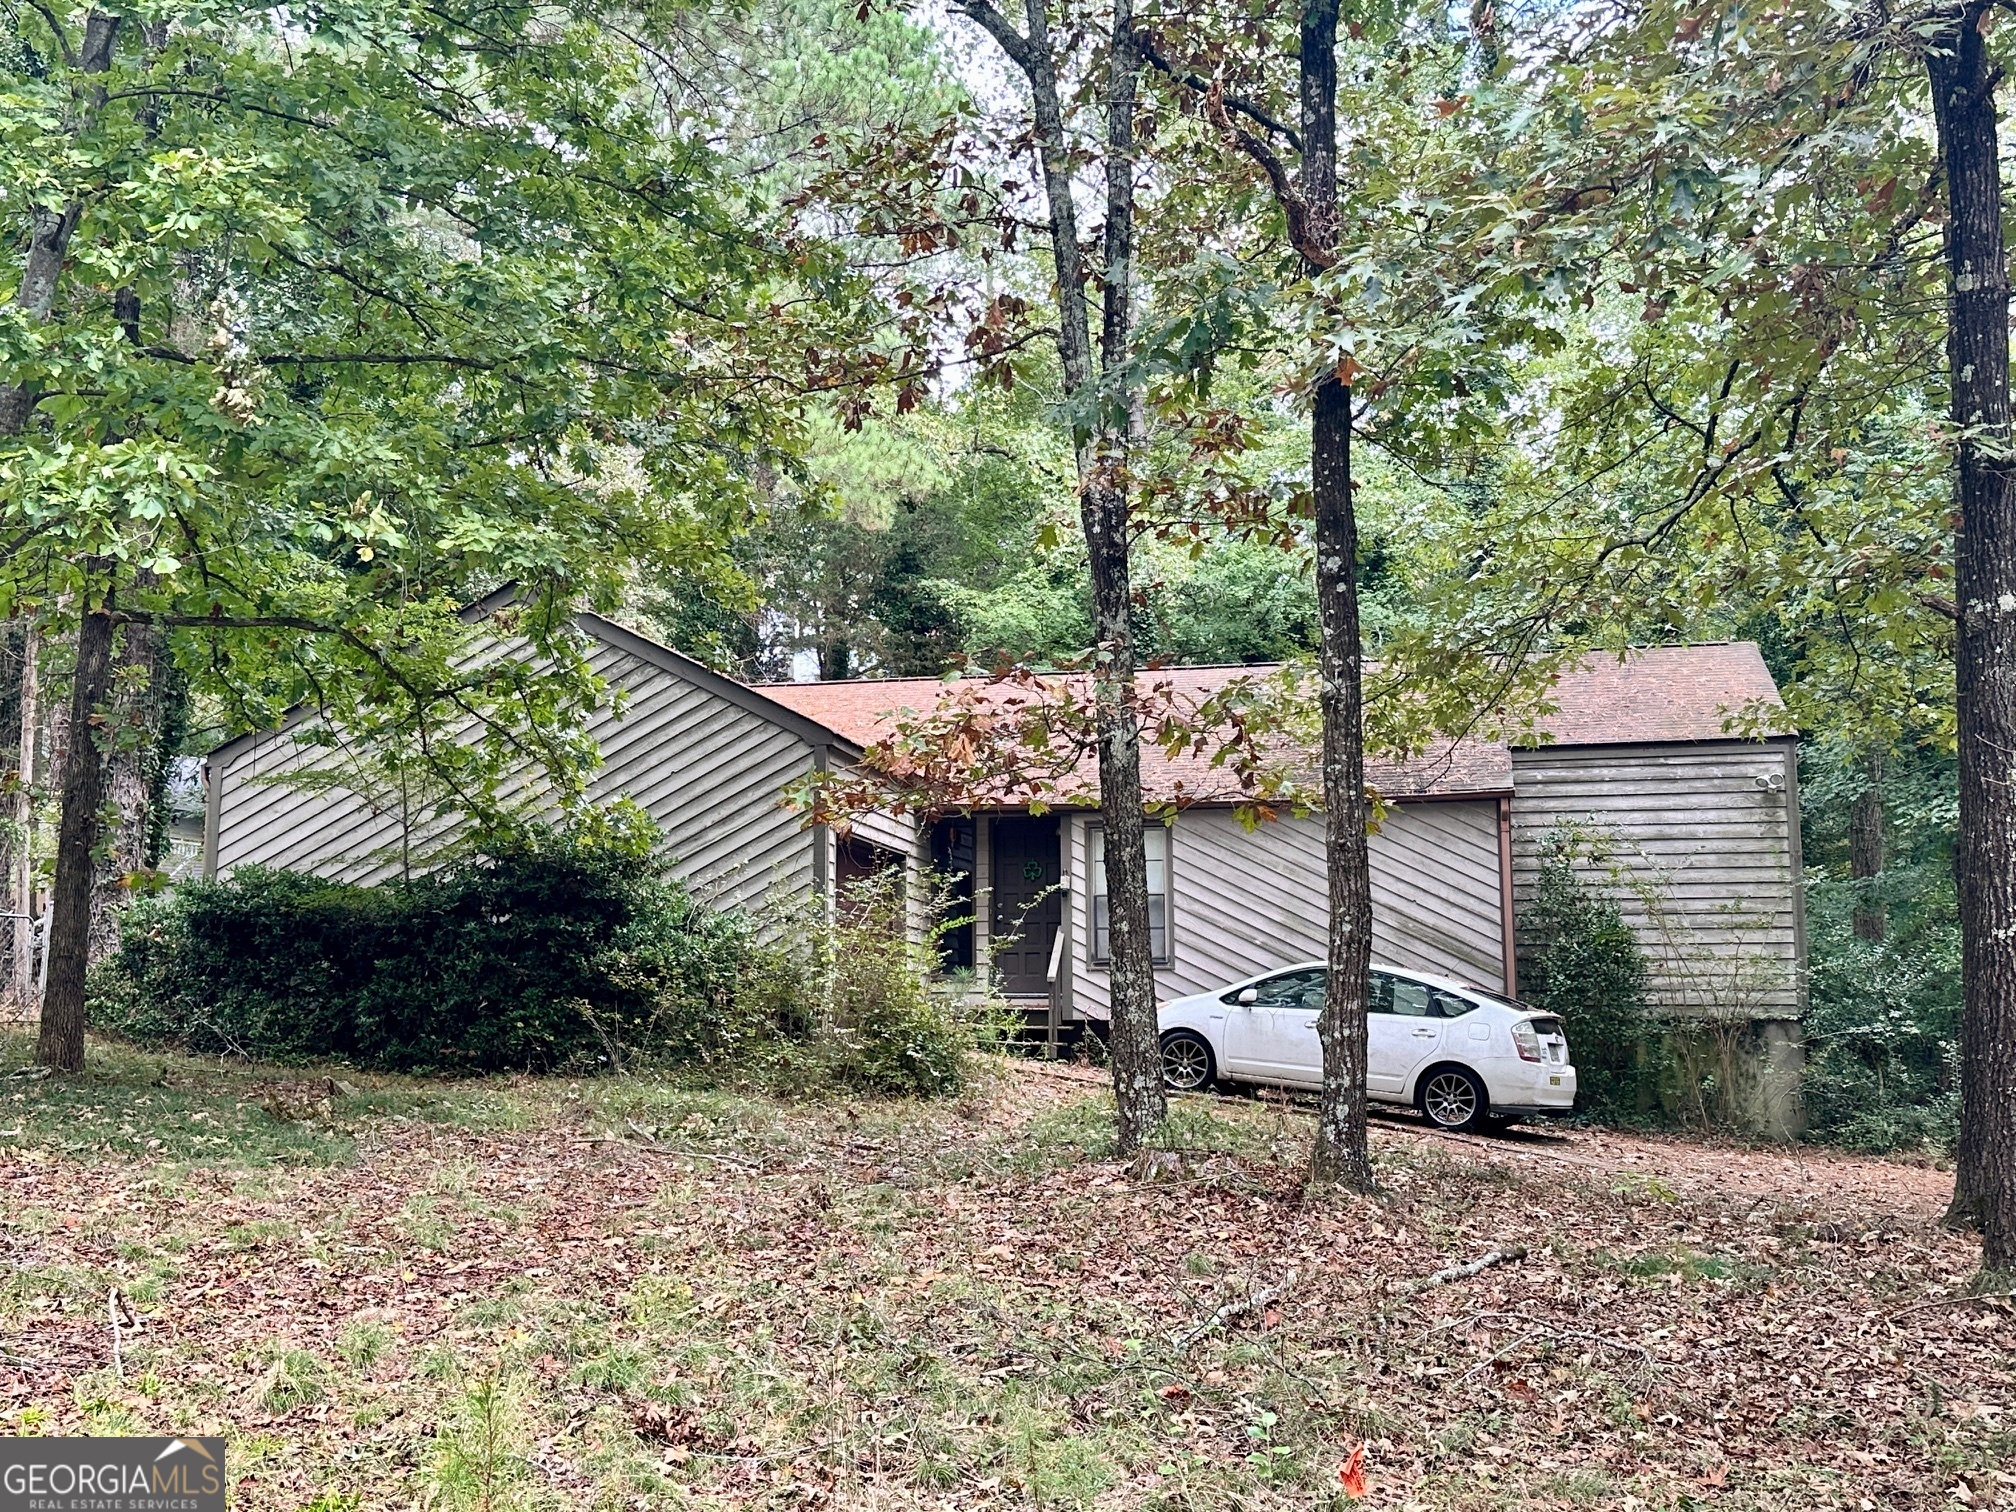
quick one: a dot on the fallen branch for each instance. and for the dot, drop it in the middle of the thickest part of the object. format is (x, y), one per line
(1484, 1365)
(1238, 1307)
(1534, 1331)
(1953, 1301)
(114, 1304)
(1465, 1271)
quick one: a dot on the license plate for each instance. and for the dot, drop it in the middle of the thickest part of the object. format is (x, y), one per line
(1553, 1081)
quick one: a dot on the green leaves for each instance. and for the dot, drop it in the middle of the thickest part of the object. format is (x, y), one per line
(367, 312)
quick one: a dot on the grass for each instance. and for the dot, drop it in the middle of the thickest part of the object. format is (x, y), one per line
(178, 1111)
(525, 1294)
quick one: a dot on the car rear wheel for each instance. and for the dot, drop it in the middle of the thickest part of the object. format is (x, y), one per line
(1455, 1099)
(1186, 1062)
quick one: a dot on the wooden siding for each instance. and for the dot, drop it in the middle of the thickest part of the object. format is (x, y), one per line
(1706, 839)
(707, 770)
(1244, 901)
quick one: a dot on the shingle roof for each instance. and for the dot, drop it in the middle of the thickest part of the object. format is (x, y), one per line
(1662, 694)
(1665, 694)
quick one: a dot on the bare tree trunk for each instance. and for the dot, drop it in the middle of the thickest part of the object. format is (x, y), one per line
(24, 818)
(1103, 447)
(1865, 855)
(1963, 81)
(1135, 1027)
(61, 1043)
(1340, 1153)
(1484, 35)
(134, 719)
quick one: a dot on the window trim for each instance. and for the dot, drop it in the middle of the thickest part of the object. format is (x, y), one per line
(1092, 893)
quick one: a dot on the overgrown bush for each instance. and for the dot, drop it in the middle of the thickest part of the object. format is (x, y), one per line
(554, 950)
(1883, 1016)
(1580, 959)
(889, 1024)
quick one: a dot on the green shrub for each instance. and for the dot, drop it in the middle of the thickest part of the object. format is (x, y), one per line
(868, 1009)
(552, 950)
(1882, 1021)
(517, 958)
(892, 1028)
(1579, 958)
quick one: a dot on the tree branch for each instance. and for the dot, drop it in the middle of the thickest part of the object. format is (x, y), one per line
(1159, 61)
(997, 26)
(1312, 251)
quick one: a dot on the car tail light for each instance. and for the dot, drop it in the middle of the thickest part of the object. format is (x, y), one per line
(1525, 1040)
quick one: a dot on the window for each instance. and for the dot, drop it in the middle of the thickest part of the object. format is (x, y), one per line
(1156, 841)
(1408, 999)
(1291, 989)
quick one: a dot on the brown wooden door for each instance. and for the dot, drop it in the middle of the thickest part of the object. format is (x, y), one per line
(1028, 904)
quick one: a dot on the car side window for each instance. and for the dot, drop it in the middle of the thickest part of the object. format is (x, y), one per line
(1292, 989)
(1379, 998)
(1449, 1006)
(1412, 999)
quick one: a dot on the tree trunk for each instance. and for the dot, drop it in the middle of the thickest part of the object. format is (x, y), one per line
(1340, 1153)
(24, 818)
(1103, 419)
(1865, 855)
(1484, 36)
(1977, 353)
(61, 1044)
(50, 230)
(134, 716)
(1135, 1036)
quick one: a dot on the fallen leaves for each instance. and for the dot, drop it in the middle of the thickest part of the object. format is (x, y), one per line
(790, 1316)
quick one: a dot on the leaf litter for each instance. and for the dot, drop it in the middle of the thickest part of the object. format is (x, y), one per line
(635, 1294)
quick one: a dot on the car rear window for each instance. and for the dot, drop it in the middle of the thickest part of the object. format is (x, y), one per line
(1545, 1025)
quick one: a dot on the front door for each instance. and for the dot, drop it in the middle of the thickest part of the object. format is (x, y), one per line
(1028, 902)
(1274, 1037)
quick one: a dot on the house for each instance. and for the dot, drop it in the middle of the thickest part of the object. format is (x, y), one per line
(703, 755)
(1636, 780)
(1693, 827)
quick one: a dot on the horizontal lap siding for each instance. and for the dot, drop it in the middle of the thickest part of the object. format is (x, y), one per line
(709, 773)
(267, 822)
(1436, 888)
(1245, 901)
(896, 832)
(1708, 853)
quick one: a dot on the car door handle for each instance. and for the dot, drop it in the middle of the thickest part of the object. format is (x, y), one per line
(1427, 1033)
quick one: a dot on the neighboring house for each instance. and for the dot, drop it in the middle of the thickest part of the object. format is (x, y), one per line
(1694, 828)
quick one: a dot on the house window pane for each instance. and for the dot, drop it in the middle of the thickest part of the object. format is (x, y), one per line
(1156, 842)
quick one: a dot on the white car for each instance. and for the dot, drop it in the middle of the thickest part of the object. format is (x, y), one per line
(1462, 1055)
